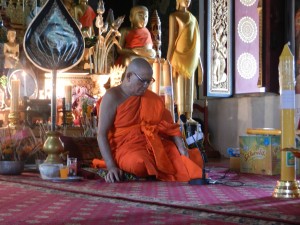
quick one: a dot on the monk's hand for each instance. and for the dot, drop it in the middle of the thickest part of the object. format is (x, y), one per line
(114, 174)
(183, 151)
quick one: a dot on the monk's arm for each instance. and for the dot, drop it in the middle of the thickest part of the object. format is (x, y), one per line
(180, 145)
(106, 120)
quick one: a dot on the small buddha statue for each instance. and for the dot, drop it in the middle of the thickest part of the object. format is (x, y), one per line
(184, 56)
(11, 50)
(84, 14)
(136, 41)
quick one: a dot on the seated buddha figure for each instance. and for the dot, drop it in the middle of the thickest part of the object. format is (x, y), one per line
(85, 15)
(135, 41)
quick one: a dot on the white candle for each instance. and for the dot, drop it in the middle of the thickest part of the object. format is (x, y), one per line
(167, 73)
(25, 87)
(156, 75)
(168, 84)
(15, 94)
(68, 96)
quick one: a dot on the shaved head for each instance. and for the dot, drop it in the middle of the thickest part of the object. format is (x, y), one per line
(137, 77)
(140, 66)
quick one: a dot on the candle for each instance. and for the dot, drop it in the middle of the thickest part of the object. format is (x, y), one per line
(167, 77)
(25, 87)
(288, 186)
(68, 96)
(15, 94)
(156, 75)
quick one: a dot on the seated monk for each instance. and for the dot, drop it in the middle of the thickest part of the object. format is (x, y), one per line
(136, 133)
(136, 41)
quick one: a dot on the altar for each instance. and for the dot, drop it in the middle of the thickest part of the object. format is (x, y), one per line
(92, 84)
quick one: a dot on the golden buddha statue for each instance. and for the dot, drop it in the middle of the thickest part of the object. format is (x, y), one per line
(184, 56)
(70, 7)
(136, 41)
(11, 50)
(84, 14)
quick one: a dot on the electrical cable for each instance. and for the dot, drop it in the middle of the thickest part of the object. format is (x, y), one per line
(227, 182)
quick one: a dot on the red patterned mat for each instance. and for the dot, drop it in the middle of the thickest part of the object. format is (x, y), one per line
(237, 199)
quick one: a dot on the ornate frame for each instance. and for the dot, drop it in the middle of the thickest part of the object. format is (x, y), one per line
(219, 51)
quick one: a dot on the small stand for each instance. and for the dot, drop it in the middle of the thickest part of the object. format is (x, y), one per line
(190, 130)
(209, 150)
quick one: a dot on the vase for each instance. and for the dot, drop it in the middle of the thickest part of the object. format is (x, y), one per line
(11, 167)
(54, 147)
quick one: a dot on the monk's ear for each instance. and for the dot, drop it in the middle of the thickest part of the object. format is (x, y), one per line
(127, 76)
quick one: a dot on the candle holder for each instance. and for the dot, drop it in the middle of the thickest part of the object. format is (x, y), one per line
(69, 118)
(67, 114)
(13, 119)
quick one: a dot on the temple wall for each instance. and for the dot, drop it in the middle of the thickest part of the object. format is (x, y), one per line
(228, 118)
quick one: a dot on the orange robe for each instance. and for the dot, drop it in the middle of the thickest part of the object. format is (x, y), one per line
(138, 38)
(140, 144)
(135, 38)
(185, 57)
(88, 17)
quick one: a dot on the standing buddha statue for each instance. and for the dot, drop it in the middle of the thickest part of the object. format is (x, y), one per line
(184, 56)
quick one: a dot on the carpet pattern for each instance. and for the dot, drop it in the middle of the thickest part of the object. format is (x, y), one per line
(237, 199)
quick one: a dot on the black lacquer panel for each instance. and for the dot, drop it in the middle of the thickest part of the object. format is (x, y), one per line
(53, 41)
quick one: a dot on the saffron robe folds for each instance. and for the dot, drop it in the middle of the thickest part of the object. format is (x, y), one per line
(185, 57)
(135, 38)
(88, 17)
(138, 38)
(140, 141)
